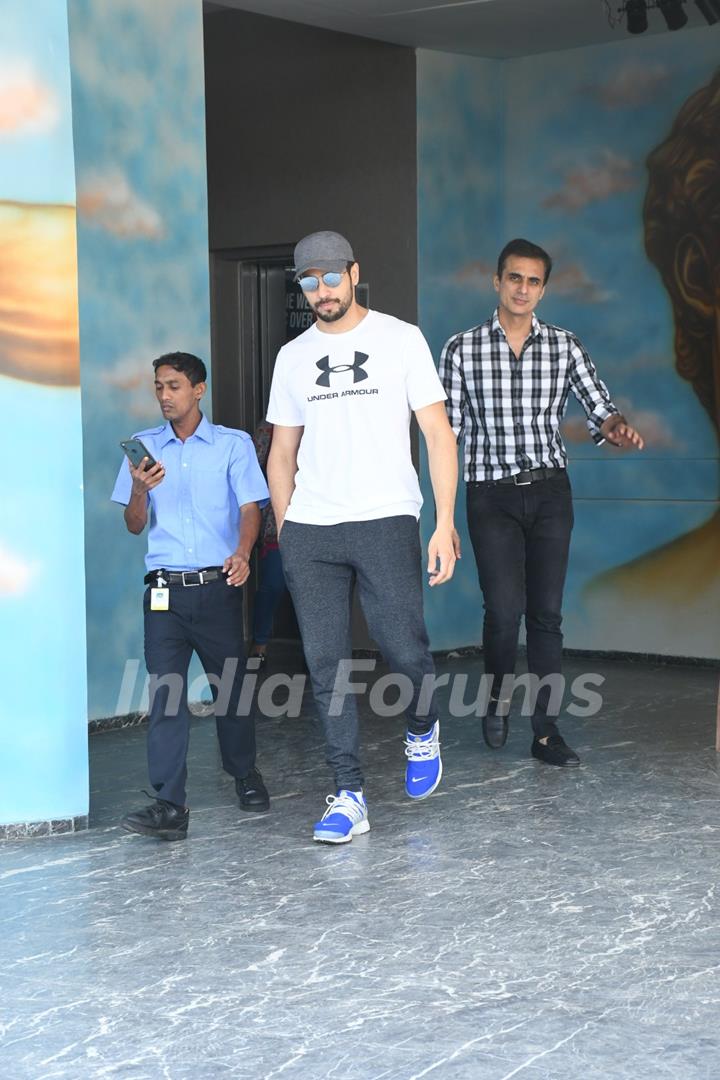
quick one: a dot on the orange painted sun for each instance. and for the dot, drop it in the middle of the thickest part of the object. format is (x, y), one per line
(39, 294)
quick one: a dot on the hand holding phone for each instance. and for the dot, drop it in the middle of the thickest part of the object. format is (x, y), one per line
(146, 472)
(136, 451)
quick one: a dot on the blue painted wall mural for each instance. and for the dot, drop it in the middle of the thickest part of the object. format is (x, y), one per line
(43, 722)
(568, 154)
(139, 123)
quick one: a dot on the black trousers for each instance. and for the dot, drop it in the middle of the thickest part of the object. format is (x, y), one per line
(521, 540)
(206, 619)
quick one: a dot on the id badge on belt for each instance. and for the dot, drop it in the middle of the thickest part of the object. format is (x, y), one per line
(160, 596)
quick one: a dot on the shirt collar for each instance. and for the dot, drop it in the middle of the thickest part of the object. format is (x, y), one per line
(203, 431)
(537, 330)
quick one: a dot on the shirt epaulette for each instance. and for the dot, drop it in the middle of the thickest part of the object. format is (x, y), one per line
(149, 431)
(232, 431)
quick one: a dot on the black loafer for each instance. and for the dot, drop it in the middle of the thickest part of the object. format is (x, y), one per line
(252, 793)
(554, 752)
(495, 731)
(161, 819)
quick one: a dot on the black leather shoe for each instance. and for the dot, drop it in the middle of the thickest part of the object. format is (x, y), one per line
(252, 793)
(495, 731)
(554, 752)
(162, 819)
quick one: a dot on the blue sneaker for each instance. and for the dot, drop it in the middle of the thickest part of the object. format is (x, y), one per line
(345, 817)
(424, 767)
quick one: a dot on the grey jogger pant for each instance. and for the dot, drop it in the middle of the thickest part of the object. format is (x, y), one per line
(321, 563)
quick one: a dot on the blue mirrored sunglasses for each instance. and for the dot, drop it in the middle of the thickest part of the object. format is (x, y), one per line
(311, 282)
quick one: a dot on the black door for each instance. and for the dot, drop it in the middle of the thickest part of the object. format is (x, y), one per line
(256, 307)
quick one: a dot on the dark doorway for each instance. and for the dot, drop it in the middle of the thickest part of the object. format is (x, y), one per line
(256, 307)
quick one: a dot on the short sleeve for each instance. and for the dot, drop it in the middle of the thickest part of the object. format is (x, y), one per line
(421, 377)
(282, 407)
(123, 484)
(246, 478)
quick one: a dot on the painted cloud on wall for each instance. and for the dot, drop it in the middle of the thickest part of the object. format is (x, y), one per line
(654, 427)
(15, 573)
(573, 281)
(479, 272)
(610, 175)
(27, 104)
(109, 201)
(133, 376)
(630, 85)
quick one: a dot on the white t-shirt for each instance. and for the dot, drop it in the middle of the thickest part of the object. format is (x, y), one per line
(354, 394)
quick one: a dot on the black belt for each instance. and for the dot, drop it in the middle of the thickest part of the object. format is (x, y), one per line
(522, 479)
(185, 577)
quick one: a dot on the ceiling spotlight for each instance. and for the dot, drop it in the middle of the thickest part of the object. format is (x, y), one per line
(636, 12)
(673, 13)
(710, 9)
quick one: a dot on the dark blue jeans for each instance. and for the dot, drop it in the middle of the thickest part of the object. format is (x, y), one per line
(521, 540)
(382, 557)
(208, 620)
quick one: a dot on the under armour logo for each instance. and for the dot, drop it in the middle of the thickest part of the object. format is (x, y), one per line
(355, 367)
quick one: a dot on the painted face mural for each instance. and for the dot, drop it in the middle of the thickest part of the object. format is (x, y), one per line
(674, 590)
(682, 238)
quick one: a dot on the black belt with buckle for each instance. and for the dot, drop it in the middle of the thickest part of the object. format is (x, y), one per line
(184, 577)
(522, 479)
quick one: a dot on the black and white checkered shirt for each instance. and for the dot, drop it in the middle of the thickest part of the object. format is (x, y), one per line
(509, 410)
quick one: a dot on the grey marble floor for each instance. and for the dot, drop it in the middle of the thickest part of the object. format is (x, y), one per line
(523, 922)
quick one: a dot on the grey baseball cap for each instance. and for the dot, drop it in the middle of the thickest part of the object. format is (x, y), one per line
(322, 251)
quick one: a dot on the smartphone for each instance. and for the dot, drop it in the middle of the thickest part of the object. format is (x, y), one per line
(136, 452)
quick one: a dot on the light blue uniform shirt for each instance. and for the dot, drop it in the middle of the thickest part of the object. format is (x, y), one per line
(195, 511)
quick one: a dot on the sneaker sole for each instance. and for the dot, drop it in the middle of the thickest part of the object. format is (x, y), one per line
(256, 809)
(418, 798)
(159, 834)
(357, 830)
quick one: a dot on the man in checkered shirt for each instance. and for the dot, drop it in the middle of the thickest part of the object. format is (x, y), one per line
(507, 383)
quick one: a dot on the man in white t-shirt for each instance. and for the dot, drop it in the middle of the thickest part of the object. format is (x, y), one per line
(347, 501)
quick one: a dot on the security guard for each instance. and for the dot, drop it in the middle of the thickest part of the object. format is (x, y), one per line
(202, 490)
